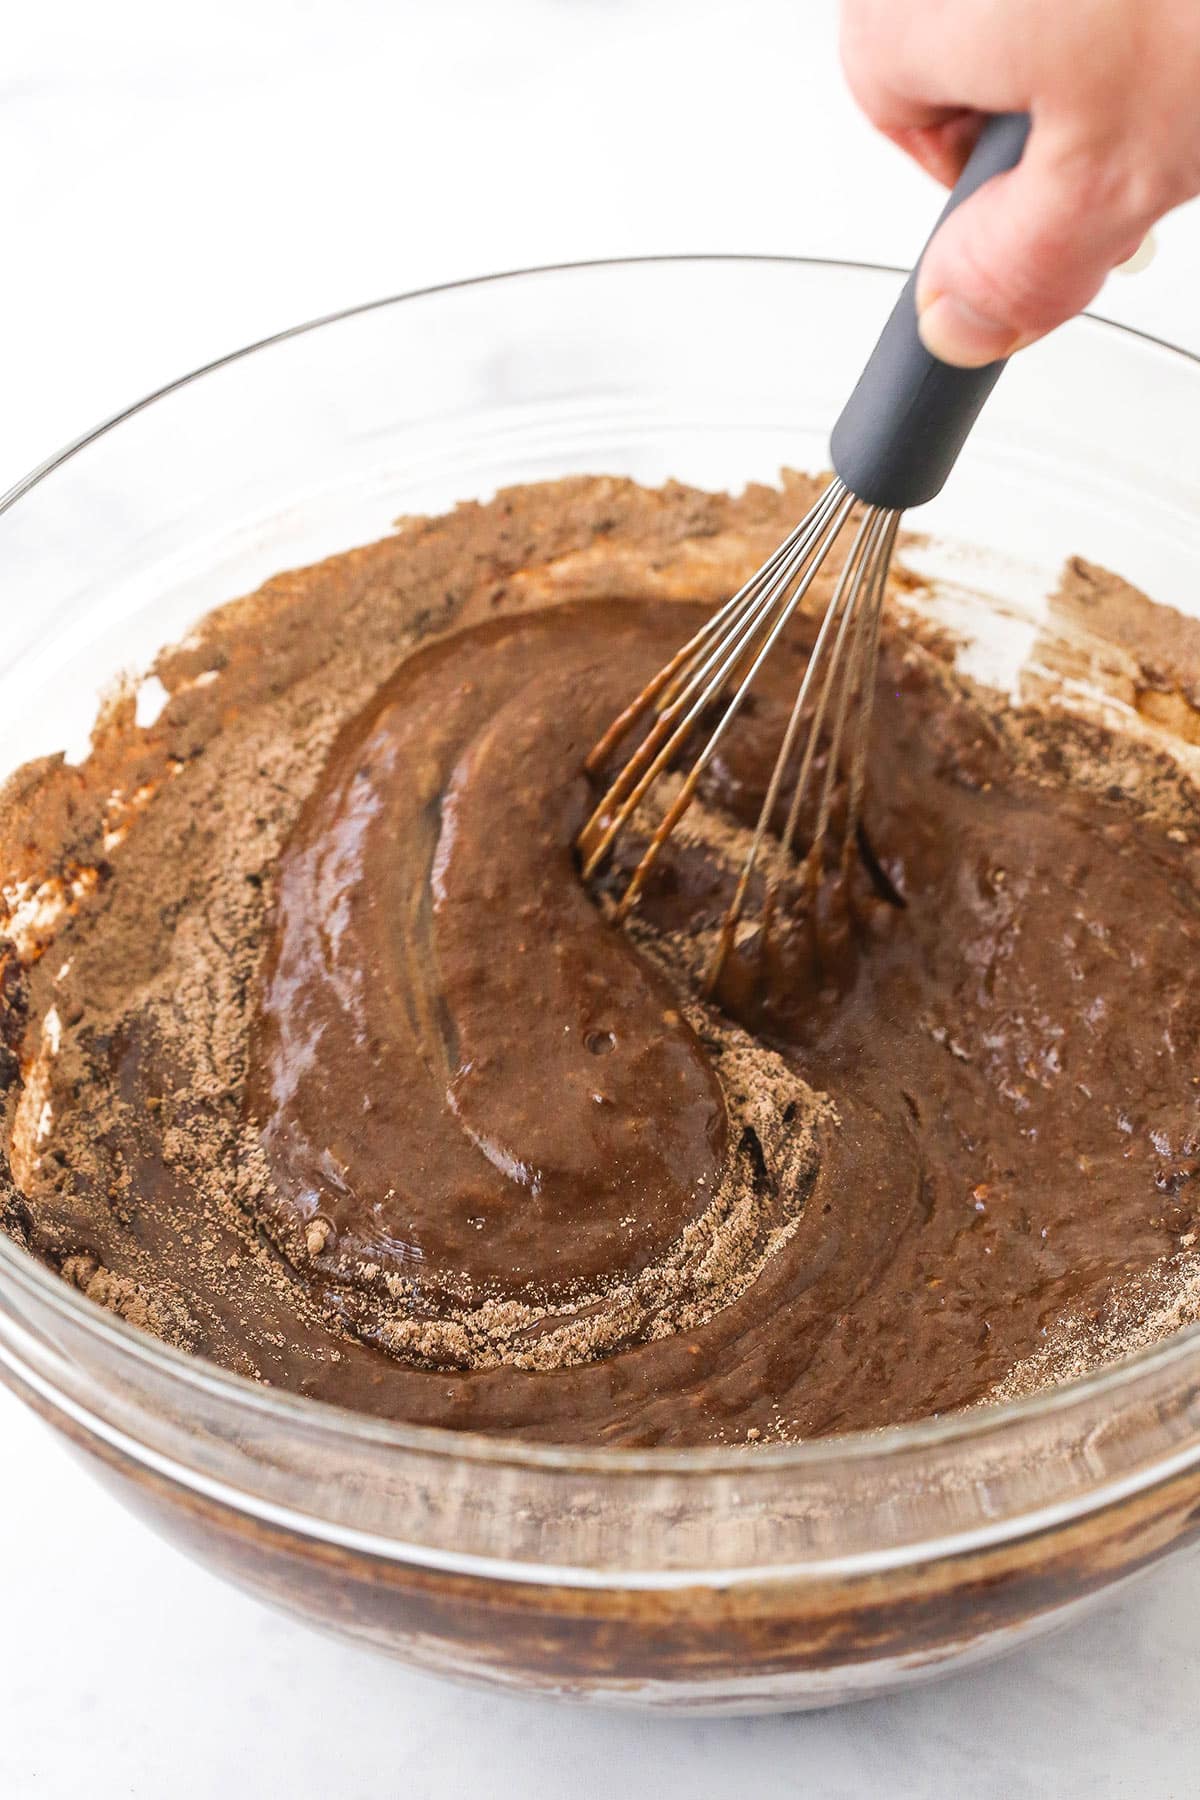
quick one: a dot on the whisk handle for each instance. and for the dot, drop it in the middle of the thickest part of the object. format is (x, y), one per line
(909, 416)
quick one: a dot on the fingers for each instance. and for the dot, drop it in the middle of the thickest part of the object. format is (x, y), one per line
(1025, 253)
(868, 63)
(942, 148)
(902, 88)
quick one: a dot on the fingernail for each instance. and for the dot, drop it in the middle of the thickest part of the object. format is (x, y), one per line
(955, 333)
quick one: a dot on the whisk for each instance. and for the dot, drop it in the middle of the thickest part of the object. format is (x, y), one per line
(892, 448)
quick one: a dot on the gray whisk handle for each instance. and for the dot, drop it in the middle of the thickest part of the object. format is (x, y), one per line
(906, 421)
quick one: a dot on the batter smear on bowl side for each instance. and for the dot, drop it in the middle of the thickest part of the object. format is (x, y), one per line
(321, 1060)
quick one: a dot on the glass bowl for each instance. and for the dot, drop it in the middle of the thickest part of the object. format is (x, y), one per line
(723, 1579)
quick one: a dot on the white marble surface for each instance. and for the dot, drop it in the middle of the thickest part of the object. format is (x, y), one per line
(178, 180)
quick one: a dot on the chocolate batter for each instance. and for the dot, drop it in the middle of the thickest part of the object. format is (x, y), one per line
(323, 1063)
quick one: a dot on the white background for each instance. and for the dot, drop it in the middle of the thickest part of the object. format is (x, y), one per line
(179, 179)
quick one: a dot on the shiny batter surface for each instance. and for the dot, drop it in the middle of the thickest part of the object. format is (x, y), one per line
(324, 1063)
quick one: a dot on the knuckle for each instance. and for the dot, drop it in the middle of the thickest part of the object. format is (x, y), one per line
(1116, 190)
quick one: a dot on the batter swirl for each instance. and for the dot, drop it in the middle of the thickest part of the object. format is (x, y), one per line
(326, 1065)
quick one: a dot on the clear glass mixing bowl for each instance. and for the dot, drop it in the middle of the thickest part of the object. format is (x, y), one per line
(725, 1578)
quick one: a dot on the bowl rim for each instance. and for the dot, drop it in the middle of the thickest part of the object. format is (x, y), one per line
(311, 1415)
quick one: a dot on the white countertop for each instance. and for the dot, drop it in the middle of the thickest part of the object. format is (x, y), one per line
(180, 180)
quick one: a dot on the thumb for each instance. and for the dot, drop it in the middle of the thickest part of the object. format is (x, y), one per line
(1024, 253)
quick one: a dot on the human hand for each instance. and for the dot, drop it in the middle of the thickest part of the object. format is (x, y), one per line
(1113, 87)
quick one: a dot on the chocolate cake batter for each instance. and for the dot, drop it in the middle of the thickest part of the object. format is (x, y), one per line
(322, 1062)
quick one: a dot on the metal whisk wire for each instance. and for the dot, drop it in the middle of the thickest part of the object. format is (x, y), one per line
(726, 654)
(695, 677)
(852, 621)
